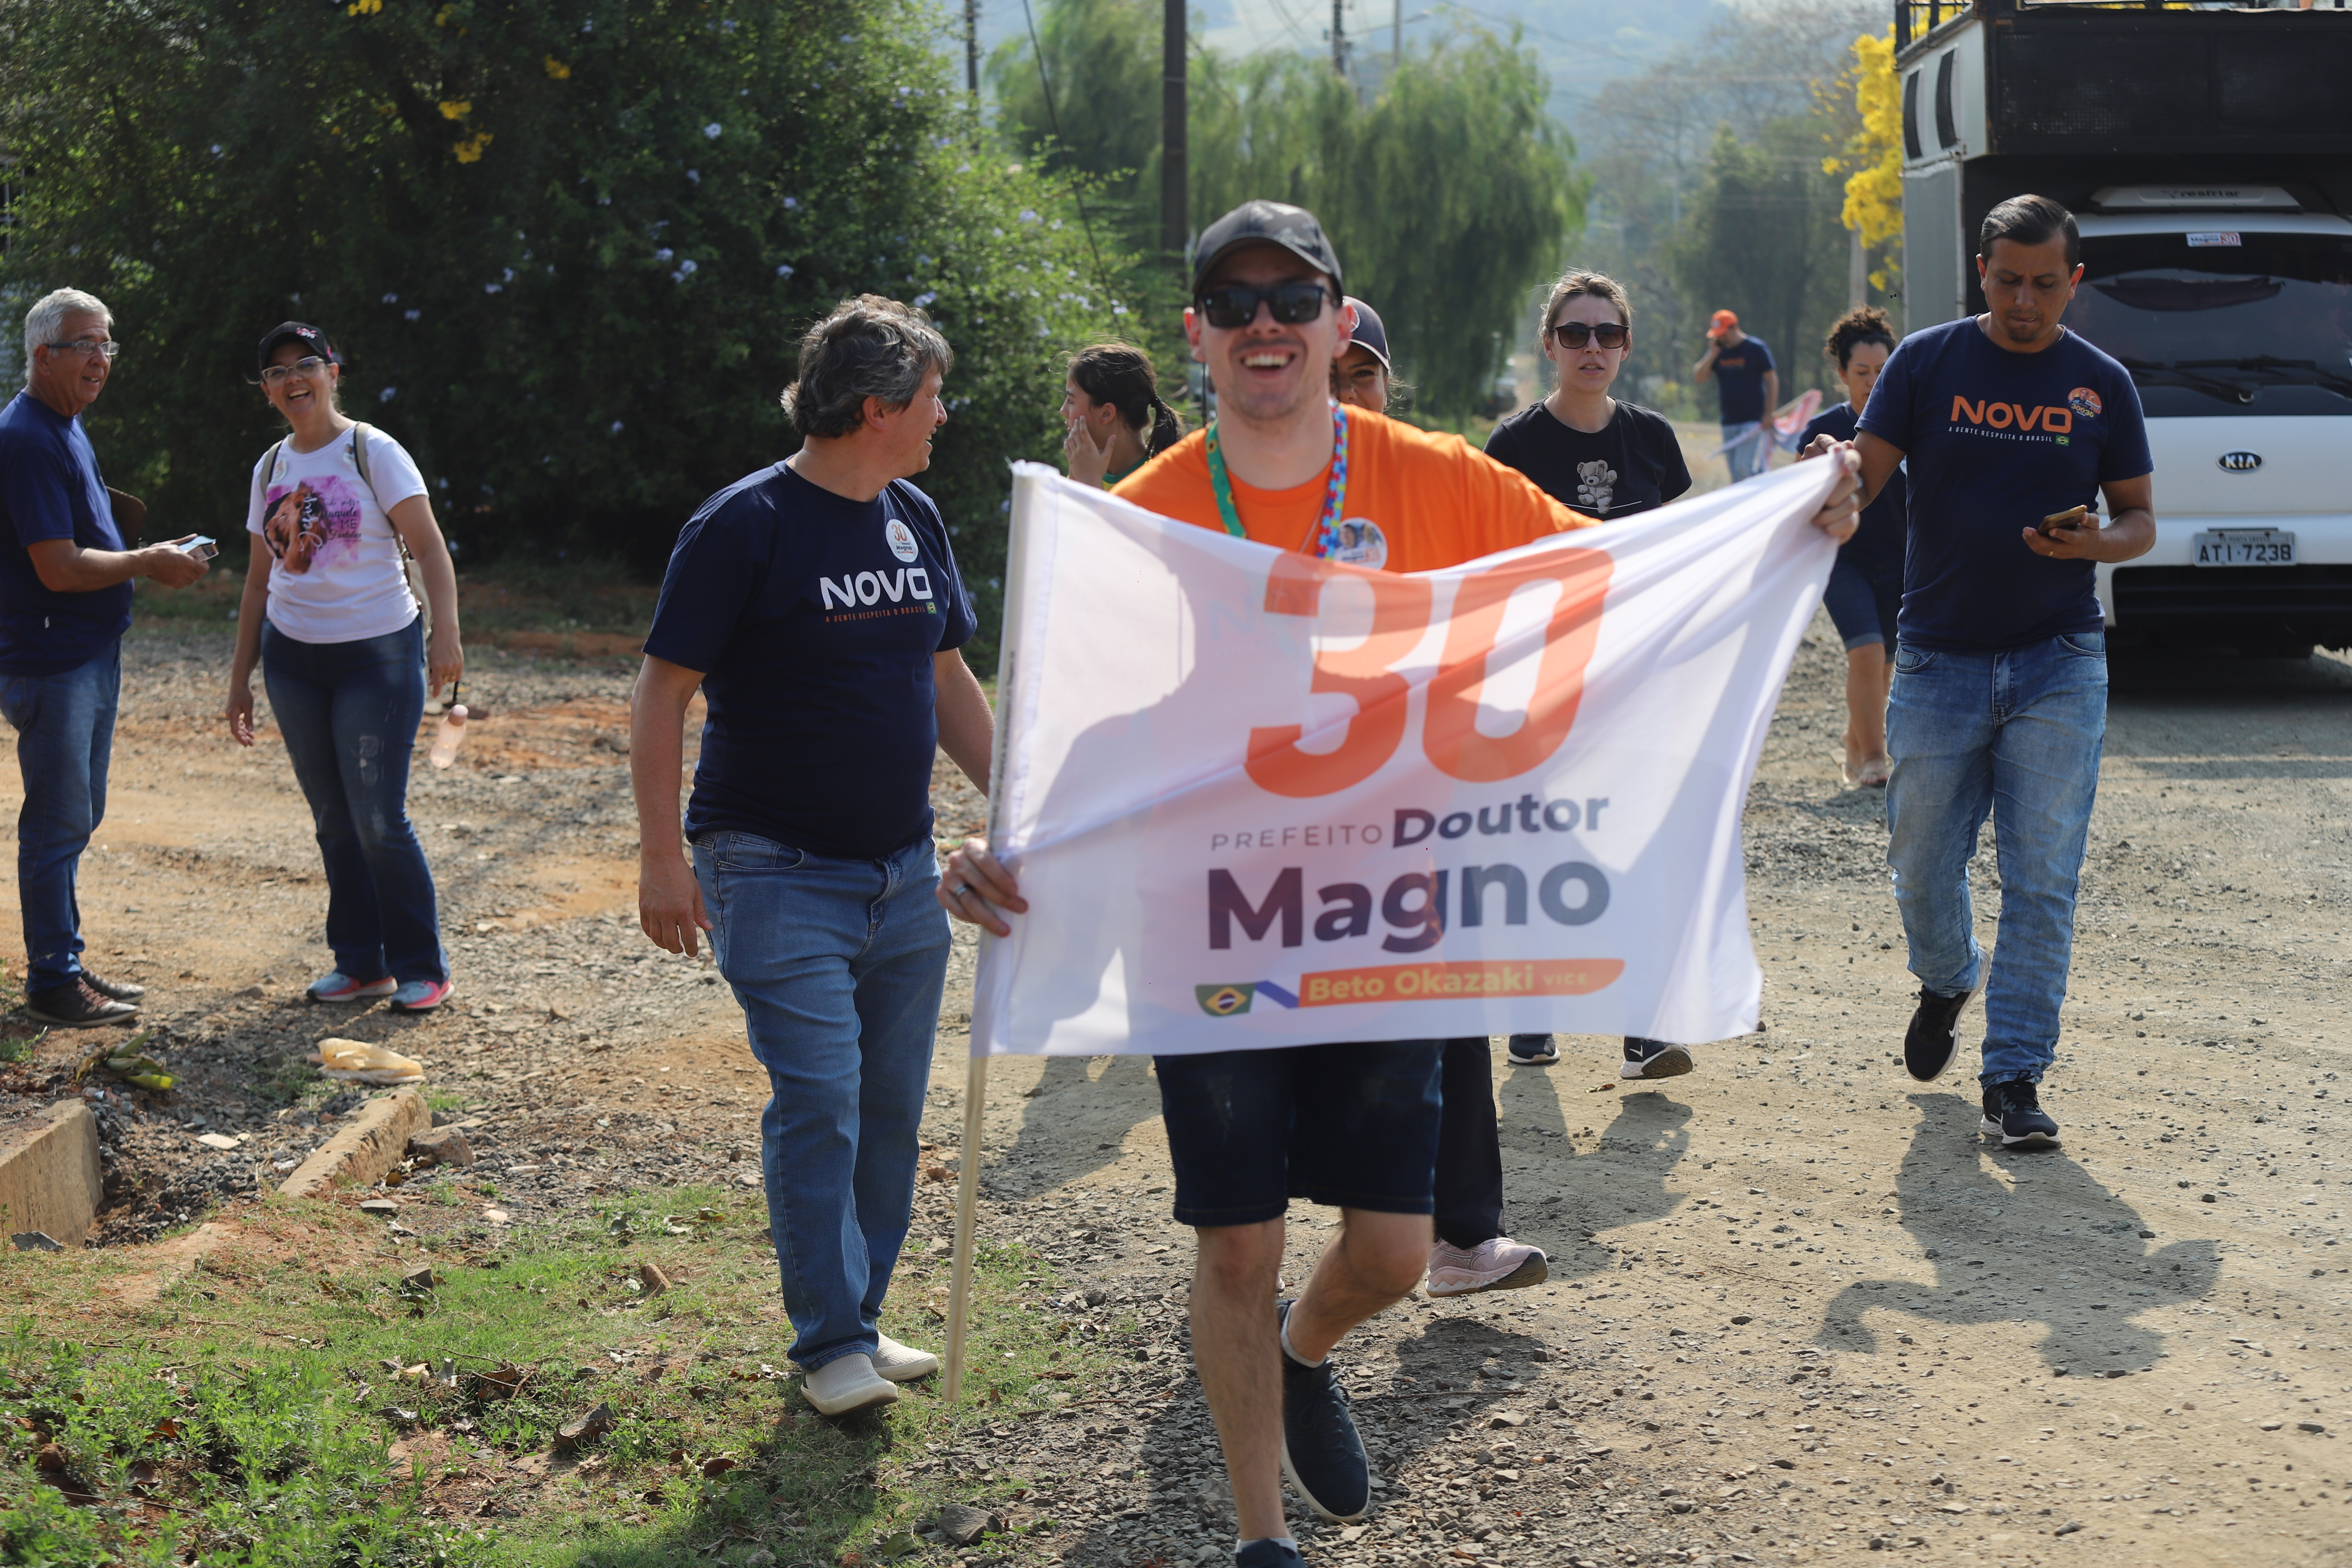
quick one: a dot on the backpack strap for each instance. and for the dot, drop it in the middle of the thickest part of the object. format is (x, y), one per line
(360, 431)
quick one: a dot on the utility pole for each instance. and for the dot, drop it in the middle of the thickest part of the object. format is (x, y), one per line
(1396, 36)
(1175, 226)
(1339, 37)
(971, 48)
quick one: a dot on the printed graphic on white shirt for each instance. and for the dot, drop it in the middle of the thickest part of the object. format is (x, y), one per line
(316, 521)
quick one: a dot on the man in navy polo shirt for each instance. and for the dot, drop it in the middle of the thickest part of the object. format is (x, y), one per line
(816, 605)
(1741, 366)
(1999, 702)
(65, 602)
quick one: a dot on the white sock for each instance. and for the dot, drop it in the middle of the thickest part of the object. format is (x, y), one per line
(1295, 1355)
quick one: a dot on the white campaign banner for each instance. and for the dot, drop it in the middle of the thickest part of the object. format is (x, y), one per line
(1259, 799)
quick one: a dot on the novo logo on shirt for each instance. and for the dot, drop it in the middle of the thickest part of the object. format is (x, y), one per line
(871, 588)
(2011, 416)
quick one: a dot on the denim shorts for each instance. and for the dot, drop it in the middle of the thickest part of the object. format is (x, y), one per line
(1863, 602)
(1354, 1126)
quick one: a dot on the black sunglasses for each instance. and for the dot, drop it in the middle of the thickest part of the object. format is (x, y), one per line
(1608, 334)
(1234, 305)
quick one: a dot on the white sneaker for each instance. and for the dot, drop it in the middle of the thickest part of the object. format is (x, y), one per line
(1501, 1264)
(901, 1363)
(838, 1387)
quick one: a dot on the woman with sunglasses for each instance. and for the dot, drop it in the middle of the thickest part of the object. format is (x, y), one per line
(1112, 416)
(344, 654)
(1605, 457)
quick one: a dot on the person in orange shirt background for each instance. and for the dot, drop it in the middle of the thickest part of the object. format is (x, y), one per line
(1353, 1124)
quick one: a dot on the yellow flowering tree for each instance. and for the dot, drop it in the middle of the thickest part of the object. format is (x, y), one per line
(1872, 160)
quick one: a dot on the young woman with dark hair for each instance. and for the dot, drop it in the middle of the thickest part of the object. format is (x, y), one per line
(1113, 415)
(1865, 587)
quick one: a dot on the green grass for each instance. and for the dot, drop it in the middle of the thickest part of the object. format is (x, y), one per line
(249, 1416)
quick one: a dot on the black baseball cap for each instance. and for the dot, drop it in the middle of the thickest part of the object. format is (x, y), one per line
(1265, 223)
(312, 339)
(1369, 333)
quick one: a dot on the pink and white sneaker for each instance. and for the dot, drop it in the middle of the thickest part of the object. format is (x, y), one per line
(338, 986)
(420, 995)
(1501, 1264)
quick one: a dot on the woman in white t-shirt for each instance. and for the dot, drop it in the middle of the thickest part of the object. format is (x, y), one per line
(343, 653)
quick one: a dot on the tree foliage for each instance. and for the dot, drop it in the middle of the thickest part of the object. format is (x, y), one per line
(1447, 191)
(1650, 143)
(1872, 158)
(1763, 239)
(568, 257)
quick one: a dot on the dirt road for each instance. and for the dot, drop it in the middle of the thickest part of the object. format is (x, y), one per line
(1796, 1310)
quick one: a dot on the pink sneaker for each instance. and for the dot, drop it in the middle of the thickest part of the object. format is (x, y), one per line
(1501, 1264)
(420, 995)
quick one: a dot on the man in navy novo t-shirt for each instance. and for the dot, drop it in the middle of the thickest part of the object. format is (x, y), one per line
(2007, 420)
(815, 605)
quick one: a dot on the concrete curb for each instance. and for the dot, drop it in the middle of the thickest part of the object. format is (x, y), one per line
(49, 1176)
(372, 1143)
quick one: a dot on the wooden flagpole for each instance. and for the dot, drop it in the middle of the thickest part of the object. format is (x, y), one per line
(1026, 478)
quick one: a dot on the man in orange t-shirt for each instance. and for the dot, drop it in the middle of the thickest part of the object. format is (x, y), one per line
(1354, 1125)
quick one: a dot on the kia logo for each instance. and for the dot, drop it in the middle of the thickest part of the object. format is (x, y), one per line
(2241, 462)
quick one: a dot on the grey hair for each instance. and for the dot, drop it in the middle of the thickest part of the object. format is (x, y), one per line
(50, 312)
(868, 347)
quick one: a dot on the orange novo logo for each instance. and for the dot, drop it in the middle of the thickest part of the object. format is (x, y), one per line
(2015, 415)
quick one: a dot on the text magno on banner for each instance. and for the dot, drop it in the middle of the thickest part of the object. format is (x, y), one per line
(1257, 799)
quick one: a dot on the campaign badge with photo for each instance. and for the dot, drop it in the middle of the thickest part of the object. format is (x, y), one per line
(1362, 544)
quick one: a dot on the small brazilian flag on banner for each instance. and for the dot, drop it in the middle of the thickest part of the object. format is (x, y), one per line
(1224, 1000)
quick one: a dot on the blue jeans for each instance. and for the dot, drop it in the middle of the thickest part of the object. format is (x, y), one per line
(838, 965)
(1752, 444)
(65, 735)
(2016, 734)
(349, 711)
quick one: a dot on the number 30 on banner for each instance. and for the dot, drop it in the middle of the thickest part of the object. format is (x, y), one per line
(1400, 615)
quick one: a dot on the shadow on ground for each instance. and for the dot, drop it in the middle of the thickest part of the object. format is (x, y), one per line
(2048, 1245)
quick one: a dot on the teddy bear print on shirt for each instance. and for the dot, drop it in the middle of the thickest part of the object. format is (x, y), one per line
(1596, 481)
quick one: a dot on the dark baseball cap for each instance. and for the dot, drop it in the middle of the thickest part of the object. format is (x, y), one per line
(1265, 223)
(1369, 333)
(313, 340)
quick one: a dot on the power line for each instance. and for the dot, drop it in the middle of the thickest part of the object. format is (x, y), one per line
(1053, 122)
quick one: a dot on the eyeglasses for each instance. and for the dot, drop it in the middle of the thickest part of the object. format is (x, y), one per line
(274, 374)
(106, 346)
(1233, 306)
(1608, 334)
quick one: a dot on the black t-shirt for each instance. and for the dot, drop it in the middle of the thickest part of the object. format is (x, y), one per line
(813, 619)
(1996, 441)
(1632, 463)
(1740, 374)
(1877, 543)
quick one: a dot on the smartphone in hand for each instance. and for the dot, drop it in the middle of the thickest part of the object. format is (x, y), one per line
(200, 547)
(2072, 517)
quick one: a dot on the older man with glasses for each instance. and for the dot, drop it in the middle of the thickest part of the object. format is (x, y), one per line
(65, 602)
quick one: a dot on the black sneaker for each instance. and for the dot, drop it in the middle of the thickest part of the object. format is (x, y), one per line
(1268, 1555)
(1934, 1038)
(77, 1006)
(1534, 1050)
(1654, 1058)
(1321, 1453)
(121, 990)
(2013, 1113)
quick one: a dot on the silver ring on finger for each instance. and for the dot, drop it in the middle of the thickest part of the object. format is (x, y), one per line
(960, 889)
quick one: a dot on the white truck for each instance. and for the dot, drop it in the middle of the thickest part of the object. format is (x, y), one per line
(2207, 153)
